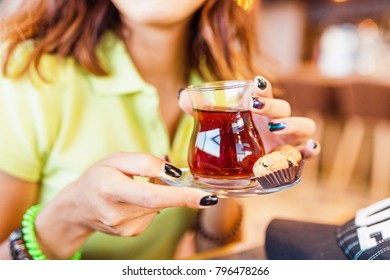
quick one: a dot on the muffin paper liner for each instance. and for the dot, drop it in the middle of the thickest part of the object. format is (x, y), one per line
(281, 177)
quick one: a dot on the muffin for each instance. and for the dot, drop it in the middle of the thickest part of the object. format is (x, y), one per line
(291, 151)
(281, 167)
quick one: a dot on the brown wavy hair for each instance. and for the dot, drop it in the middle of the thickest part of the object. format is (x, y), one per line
(223, 36)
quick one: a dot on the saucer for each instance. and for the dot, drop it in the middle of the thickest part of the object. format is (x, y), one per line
(251, 188)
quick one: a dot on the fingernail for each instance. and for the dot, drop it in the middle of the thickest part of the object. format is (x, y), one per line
(209, 200)
(258, 103)
(172, 171)
(261, 83)
(312, 144)
(179, 93)
(274, 126)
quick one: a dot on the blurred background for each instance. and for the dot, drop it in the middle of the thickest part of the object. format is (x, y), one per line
(331, 60)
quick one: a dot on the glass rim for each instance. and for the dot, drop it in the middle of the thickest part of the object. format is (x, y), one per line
(219, 85)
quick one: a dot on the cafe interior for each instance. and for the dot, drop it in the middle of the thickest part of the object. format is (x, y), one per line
(331, 60)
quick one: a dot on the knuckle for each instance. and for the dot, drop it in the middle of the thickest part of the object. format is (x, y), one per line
(189, 199)
(110, 219)
(132, 232)
(105, 192)
(111, 158)
(146, 164)
(134, 229)
(187, 202)
(148, 161)
(140, 229)
(127, 232)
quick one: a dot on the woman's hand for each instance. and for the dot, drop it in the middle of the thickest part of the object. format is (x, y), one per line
(106, 198)
(272, 118)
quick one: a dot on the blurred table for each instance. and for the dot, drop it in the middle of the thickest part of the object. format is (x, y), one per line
(310, 73)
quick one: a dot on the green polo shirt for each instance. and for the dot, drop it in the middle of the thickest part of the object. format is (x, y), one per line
(52, 132)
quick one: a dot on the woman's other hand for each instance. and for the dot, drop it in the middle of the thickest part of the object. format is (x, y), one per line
(107, 199)
(272, 118)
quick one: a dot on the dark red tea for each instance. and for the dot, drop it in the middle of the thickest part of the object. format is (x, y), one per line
(225, 145)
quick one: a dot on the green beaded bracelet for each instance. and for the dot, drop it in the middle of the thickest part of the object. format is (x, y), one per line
(28, 230)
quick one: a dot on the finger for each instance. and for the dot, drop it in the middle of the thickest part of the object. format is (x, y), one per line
(153, 196)
(270, 107)
(185, 101)
(262, 87)
(299, 127)
(310, 148)
(141, 164)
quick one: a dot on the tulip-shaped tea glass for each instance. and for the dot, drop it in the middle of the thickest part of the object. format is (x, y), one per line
(225, 143)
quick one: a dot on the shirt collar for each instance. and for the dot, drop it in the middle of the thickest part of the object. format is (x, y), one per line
(123, 77)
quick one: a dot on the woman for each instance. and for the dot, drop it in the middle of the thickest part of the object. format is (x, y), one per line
(84, 80)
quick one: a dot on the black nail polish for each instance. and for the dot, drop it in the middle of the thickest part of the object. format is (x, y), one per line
(313, 144)
(258, 103)
(179, 93)
(209, 200)
(261, 84)
(172, 171)
(274, 126)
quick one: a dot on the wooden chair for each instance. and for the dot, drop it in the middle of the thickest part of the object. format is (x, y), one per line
(362, 150)
(313, 99)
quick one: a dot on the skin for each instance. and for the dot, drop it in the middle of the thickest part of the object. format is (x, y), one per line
(154, 34)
